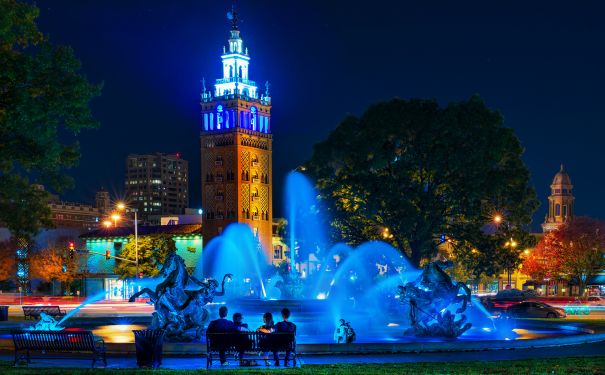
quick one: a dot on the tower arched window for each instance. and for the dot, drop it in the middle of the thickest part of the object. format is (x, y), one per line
(240, 72)
(253, 118)
(219, 116)
(230, 71)
(557, 210)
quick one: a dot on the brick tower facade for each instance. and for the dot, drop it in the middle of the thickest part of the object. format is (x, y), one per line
(236, 149)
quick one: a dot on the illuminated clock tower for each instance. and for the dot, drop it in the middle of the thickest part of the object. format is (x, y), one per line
(236, 149)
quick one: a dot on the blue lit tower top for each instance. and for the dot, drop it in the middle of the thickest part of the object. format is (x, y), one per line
(235, 84)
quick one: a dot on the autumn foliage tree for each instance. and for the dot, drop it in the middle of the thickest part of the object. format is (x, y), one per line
(574, 251)
(53, 264)
(8, 263)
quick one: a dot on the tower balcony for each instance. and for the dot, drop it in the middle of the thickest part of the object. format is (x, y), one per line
(255, 163)
(235, 79)
(254, 198)
(255, 217)
(255, 180)
(219, 197)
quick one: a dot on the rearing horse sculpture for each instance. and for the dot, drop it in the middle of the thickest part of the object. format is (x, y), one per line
(430, 296)
(179, 300)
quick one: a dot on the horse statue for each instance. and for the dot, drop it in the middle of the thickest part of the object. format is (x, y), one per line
(179, 300)
(430, 296)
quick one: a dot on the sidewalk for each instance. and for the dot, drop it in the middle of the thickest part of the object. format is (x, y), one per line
(196, 363)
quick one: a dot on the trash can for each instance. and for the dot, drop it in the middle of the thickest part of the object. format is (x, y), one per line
(149, 345)
(3, 313)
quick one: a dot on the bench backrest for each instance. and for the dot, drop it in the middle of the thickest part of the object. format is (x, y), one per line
(54, 340)
(250, 341)
(36, 310)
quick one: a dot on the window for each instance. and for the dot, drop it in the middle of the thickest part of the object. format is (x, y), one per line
(558, 210)
(277, 252)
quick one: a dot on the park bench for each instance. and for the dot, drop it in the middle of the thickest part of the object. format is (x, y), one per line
(38, 344)
(33, 312)
(249, 342)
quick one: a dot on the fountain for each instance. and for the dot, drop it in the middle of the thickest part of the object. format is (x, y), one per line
(384, 297)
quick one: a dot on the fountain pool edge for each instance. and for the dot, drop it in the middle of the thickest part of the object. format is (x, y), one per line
(584, 336)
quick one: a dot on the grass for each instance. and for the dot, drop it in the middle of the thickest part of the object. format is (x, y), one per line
(577, 365)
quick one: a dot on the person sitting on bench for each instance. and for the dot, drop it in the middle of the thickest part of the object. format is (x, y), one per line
(284, 327)
(222, 325)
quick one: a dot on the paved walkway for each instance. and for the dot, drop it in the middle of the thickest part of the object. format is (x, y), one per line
(189, 363)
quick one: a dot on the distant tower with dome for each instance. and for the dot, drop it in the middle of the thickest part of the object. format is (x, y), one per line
(560, 201)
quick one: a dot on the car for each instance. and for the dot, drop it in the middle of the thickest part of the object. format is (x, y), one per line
(595, 301)
(530, 309)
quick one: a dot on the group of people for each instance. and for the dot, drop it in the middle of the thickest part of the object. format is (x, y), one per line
(224, 325)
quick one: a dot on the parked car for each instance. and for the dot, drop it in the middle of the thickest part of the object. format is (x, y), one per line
(531, 309)
(595, 301)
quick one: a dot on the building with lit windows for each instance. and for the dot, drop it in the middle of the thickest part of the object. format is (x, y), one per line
(98, 273)
(156, 185)
(236, 149)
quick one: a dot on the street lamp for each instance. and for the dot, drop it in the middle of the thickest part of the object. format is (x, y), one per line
(115, 218)
(107, 223)
(122, 207)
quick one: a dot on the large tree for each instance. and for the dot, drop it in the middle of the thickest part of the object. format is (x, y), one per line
(424, 171)
(44, 103)
(575, 251)
(152, 249)
(53, 264)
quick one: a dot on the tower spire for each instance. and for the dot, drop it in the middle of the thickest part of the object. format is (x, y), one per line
(232, 15)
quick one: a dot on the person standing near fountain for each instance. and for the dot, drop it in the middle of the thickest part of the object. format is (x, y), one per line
(222, 325)
(284, 327)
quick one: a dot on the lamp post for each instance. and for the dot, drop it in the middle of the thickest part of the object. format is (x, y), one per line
(498, 219)
(122, 207)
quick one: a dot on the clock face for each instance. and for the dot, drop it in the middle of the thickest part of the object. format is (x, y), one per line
(219, 108)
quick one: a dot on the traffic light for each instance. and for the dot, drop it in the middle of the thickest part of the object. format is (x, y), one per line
(140, 275)
(72, 249)
(107, 255)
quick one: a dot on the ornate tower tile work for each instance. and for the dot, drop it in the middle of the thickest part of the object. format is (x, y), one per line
(236, 149)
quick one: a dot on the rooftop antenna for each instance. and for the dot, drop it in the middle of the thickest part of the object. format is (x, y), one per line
(232, 15)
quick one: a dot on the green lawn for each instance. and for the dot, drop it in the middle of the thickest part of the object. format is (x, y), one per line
(585, 365)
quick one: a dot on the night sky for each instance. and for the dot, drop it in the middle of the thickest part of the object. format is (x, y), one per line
(538, 62)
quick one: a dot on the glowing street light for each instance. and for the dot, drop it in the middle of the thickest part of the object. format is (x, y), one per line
(122, 207)
(107, 223)
(497, 219)
(115, 218)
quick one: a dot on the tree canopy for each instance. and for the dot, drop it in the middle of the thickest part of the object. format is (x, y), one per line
(52, 264)
(424, 172)
(153, 250)
(44, 103)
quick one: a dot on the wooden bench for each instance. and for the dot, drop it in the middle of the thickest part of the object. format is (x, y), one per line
(249, 342)
(33, 312)
(57, 342)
